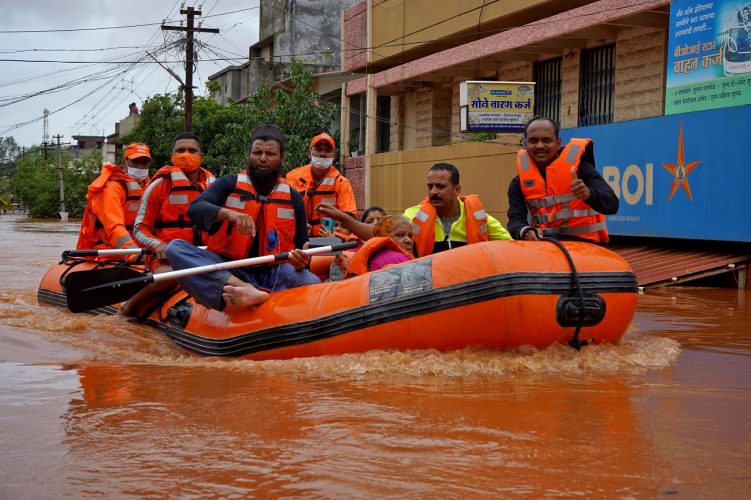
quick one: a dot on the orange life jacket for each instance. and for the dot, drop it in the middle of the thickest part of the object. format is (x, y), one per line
(552, 206)
(326, 192)
(359, 263)
(174, 223)
(274, 216)
(425, 220)
(93, 235)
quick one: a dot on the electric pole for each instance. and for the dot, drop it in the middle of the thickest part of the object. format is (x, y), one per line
(190, 28)
(63, 212)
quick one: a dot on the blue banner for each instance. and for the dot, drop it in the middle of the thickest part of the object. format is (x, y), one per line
(677, 176)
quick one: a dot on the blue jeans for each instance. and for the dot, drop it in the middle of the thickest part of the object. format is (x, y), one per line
(207, 288)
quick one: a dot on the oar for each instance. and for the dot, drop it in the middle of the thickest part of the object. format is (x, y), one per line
(106, 253)
(87, 290)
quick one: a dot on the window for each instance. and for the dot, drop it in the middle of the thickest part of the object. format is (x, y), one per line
(547, 76)
(597, 85)
(383, 124)
(358, 122)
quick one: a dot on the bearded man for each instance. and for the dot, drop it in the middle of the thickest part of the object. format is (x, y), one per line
(250, 214)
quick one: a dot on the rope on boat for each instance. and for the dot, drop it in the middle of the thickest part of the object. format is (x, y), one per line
(574, 342)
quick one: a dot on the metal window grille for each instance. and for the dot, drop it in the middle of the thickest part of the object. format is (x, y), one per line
(383, 124)
(547, 76)
(597, 85)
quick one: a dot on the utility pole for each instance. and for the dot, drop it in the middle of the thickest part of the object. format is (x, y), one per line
(190, 12)
(63, 212)
(46, 134)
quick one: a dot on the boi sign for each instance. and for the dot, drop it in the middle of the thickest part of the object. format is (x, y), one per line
(676, 176)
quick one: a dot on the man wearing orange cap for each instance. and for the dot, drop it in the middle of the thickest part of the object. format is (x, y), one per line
(112, 202)
(320, 182)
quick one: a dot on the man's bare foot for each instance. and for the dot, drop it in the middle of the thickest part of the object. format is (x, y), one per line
(244, 296)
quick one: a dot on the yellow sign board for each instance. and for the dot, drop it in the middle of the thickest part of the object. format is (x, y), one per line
(487, 106)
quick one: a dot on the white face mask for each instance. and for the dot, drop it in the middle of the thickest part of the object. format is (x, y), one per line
(321, 163)
(138, 174)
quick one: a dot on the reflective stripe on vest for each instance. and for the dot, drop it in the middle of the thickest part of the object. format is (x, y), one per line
(275, 224)
(576, 230)
(552, 206)
(173, 221)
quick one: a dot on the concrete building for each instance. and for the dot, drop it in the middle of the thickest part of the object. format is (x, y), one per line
(306, 30)
(122, 128)
(596, 65)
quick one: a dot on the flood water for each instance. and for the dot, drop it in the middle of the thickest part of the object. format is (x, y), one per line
(102, 407)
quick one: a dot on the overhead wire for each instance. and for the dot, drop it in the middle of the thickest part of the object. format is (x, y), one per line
(225, 54)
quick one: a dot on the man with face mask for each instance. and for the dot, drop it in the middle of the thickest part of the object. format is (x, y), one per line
(250, 214)
(320, 182)
(162, 216)
(112, 202)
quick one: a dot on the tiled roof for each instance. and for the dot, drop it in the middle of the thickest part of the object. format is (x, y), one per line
(665, 262)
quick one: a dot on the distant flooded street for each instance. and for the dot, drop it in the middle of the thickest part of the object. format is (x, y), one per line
(103, 407)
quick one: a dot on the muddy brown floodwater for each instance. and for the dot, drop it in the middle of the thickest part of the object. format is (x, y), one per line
(102, 407)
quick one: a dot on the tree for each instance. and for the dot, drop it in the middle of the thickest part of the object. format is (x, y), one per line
(225, 130)
(9, 151)
(35, 183)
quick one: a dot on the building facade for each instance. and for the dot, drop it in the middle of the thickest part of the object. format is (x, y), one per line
(618, 71)
(306, 30)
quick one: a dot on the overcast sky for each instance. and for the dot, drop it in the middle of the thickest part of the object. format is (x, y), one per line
(94, 95)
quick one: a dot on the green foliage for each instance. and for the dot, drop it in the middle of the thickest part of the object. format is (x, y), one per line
(482, 136)
(78, 175)
(35, 183)
(9, 151)
(225, 130)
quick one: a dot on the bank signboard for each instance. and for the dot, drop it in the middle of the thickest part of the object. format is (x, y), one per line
(677, 176)
(489, 106)
(709, 55)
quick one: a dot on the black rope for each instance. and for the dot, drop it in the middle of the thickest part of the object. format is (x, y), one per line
(574, 342)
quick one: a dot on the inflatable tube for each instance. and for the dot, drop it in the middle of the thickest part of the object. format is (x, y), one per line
(499, 294)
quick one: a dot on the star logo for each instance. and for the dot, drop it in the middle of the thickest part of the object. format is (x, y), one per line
(680, 170)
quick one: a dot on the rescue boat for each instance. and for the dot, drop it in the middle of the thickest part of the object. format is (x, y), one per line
(498, 294)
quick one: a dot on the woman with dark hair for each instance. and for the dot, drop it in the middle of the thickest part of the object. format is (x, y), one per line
(373, 215)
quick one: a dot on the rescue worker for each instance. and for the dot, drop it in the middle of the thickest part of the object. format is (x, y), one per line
(443, 220)
(249, 214)
(162, 217)
(320, 182)
(558, 192)
(112, 202)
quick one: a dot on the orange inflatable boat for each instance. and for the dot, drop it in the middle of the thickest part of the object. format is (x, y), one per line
(499, 294)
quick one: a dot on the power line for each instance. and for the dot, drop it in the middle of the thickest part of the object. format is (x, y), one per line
(124, 26)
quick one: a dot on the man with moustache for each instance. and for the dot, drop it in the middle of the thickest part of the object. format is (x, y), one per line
(558, 193)
(444, 220)
(250, 214)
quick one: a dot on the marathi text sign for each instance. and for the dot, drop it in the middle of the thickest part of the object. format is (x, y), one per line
(495, 106)
(709, 57)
